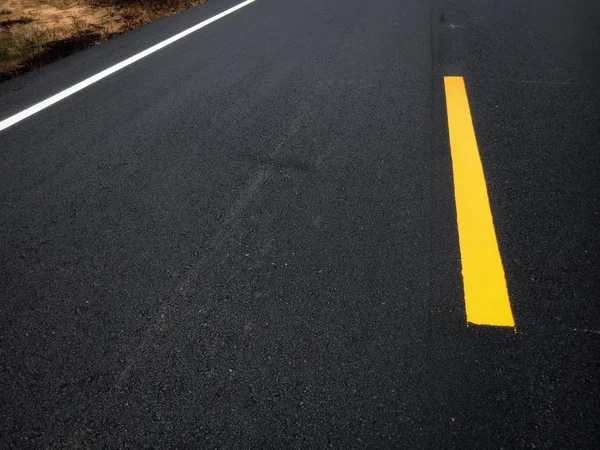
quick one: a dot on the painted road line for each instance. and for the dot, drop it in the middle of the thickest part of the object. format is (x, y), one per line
(486, 294)
(99, 76)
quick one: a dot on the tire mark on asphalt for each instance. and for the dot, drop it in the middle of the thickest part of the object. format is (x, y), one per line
(164, 319)
(186, 287)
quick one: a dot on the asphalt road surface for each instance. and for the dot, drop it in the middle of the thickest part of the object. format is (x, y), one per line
(249, 238)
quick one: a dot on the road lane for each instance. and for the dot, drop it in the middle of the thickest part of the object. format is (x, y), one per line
(249, 239)
(229, 237)
(533, 96)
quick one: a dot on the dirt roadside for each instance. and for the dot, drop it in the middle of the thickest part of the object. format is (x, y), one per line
(36, 32)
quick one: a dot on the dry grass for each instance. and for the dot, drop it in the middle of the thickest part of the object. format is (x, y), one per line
(36, 32)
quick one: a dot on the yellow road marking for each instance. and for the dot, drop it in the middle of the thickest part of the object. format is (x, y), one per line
(486, 294)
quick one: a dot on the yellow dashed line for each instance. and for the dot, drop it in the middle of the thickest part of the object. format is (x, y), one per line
(486, 294)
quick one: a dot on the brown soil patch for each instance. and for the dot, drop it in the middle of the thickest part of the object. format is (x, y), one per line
(36, 32)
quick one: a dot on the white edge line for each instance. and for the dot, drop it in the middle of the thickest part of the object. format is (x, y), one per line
(99, 76)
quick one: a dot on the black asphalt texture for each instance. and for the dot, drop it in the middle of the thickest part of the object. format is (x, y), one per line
(249, 239)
